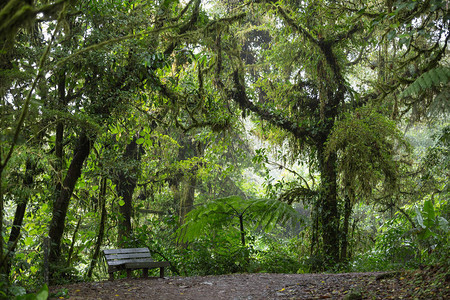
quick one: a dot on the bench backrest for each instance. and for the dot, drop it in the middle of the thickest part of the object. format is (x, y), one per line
(117, 257)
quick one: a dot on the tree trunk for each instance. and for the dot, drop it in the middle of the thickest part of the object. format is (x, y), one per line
(241, 228)
(59, 134)
(175, 188)
(185, 188)
(329, 208)
(61, 204)
(345, 228)
(186, 180)
(74, 239)
(5, 65)
(331, 95)
(126, 183)
(19, 214)
(314, 229)
(187, 196)
(101, 227)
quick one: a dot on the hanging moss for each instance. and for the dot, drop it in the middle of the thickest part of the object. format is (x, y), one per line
(13, 15)
(368, 145)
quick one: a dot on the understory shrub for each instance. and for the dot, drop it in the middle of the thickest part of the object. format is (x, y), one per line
(275, 255)
(401, 244)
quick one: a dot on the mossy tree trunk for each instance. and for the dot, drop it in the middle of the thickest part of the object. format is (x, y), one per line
(125, 185)
(345, 229)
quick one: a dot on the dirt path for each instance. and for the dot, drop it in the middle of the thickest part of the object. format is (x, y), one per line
(252, 286)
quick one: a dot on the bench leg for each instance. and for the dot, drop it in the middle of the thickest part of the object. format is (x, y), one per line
(111, 276)
(128, 273)
(145, 273)
(161, 272)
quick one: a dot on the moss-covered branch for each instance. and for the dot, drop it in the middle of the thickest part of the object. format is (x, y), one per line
(239, 95)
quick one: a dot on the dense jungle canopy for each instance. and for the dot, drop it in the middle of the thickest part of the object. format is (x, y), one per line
(227, 136)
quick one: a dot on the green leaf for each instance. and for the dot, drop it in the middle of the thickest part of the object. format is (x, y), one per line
(411, 5)
(43, 293)
(140, 141)
(427, 80)
(404, 41)
(443, 224)
(121, 202)
(224, 212)
(28, 241)
(426, 234)
(17, 290)
(362, 11)
(391, 35)
(429, 213)
(419, 218)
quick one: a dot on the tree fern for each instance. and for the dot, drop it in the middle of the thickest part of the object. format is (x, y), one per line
(440, 105)
(427, 80)
(223, 212)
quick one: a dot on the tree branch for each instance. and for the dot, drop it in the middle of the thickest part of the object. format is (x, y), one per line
(112, 41)
(290, 170)
(26, 105)
(295, 26)
(187, 26)
(239, 95)
(345, 35)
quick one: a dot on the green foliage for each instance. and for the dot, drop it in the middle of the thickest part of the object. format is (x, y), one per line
(19, 293)
(436, 160)
(42, 294)
(400, 246)
(432, 78)
(433, 232)
(153, 71)
(275, 253)
(217, 254)
(368, 145)
(219, 213)
(219, 251)
(222, 253)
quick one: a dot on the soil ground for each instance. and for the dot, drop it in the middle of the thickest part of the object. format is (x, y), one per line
(376, 285)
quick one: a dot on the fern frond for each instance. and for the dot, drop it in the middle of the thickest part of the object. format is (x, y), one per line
(440, 105)
(267, 213)
(427, 80)
(219, 213)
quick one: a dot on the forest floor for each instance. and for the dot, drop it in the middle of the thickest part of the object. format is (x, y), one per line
(430, 283)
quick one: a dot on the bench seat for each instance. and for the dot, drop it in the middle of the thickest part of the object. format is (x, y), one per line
(130, 259)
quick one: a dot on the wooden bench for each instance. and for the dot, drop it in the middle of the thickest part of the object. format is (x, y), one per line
(130, 259)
